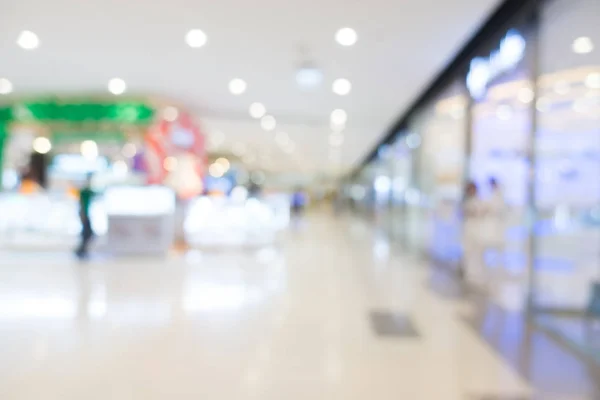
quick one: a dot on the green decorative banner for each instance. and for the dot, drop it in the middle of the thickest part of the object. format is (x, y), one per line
(58, 137)
(72, 111)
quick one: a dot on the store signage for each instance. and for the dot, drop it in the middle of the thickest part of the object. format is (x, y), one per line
(483, 70)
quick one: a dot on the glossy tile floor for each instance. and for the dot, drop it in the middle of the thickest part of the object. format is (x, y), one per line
(295, 321)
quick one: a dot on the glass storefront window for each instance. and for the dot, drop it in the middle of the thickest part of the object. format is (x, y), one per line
(436, 138)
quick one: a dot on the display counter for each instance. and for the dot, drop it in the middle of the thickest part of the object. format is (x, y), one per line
(219, 221)
(140, 220)
(45, 221)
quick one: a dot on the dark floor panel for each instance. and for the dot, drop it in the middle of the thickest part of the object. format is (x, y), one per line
(393, 325)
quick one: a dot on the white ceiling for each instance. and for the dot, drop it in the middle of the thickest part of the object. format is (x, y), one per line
(402, 45)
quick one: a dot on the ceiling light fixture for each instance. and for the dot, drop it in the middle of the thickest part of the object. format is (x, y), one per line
(257, 110)
(237, 86)
(592, 81)
(346, 37)
(6, 86)
(117, 86)
(308, 76)
(196, 38)
(341, 87)
(582, 45)
(268, 123)
(338, 117)
(42, 145)
(28, 40)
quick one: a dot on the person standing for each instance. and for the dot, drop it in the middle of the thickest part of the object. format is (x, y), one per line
(473, 242)
(86, 196)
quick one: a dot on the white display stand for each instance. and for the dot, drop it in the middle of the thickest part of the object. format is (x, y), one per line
(140, 220)
(226, 222)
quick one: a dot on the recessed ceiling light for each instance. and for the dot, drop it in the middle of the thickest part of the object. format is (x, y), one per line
(268, 123)
(129, 150)
(42, 145)
(237, 86)
(341, 87)
(338, 117)
(170, 113)
(526, 95)
(28, 40)
(582, 45)
(257, 110)
(592, 81)
(346, 37)
(117, 86)
(309, 76)
(196, 38)
(6, 86)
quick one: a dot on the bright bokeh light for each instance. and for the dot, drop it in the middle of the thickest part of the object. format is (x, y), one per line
(346, 37)
(237, 86)
(170, 164)
(268, 123)
(216, 170)
(341, 87)
(592, 81)
(224, 163)
(129, 150)
(196, 38)
(89, 149)
(117, 86)
(583, 45)
(120, 168)
(6, 86)
(338, 117)
(28, 40)
(526, 95)
(170, 113)
(309, 77)
(42, 145)
(257, 110)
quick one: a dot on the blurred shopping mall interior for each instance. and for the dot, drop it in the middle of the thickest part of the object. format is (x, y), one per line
(300, 199)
